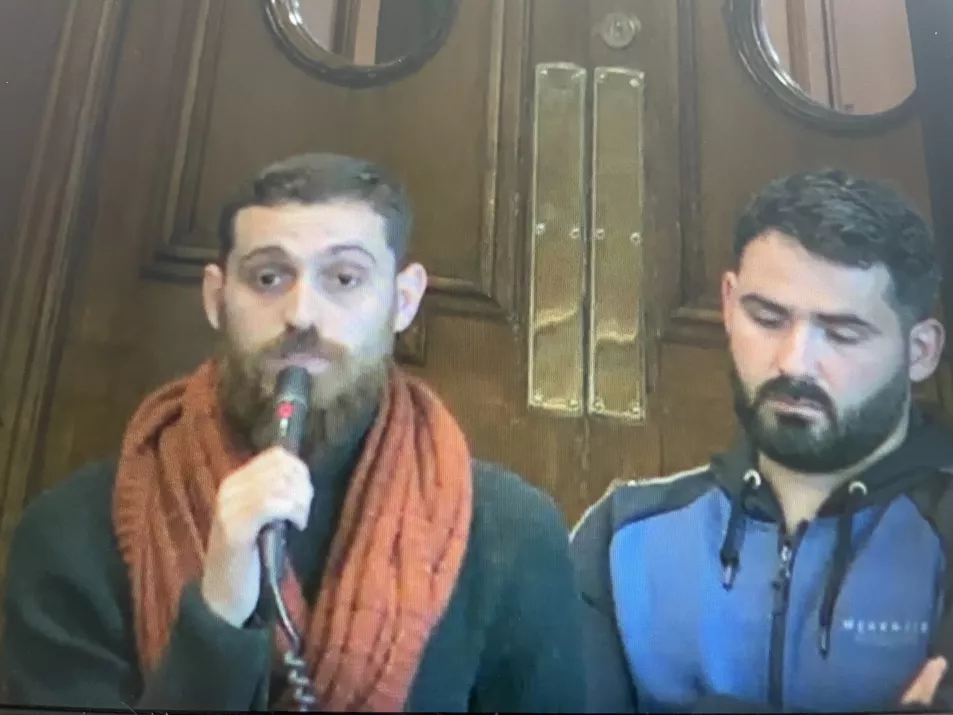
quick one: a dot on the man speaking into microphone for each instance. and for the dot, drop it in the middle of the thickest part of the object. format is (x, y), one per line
(417, 578)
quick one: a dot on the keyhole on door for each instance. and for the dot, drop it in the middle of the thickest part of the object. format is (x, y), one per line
(618, 30)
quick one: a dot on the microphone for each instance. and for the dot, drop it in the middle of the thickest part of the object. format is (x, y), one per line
(292, 397)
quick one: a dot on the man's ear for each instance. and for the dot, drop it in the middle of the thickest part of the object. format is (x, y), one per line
(926, 348)
(213, 287)
(729, 284)
(411, 285)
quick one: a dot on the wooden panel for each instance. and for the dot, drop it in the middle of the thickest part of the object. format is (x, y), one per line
(42, 256)
(29, 36)
(696, 418)
(230, 56)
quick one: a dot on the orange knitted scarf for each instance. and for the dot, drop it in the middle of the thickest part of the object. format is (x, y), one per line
(393, 561)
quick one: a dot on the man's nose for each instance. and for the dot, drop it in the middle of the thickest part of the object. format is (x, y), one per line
(797, 353)
(302, 306)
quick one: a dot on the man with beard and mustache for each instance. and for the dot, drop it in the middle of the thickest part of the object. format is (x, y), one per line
(806, 569)
(419, 579)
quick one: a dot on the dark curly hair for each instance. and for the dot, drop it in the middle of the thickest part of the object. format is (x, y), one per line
(854, 222)
(319, 178)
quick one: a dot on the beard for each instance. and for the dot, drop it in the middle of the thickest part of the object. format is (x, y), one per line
(341, 397)
(812, 446)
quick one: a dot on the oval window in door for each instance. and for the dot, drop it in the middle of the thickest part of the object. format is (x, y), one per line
(361, 43)
(840, 65)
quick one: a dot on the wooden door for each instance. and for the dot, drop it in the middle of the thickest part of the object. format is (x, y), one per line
(576, 167)
(199, 94)
(736, 134)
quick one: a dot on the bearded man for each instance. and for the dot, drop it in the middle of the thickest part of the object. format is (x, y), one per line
(419, 578)
(808, 569)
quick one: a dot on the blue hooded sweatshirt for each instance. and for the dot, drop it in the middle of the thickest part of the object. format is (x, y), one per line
(695, 592)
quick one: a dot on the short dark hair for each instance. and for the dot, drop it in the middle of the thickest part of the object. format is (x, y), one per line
(320, 178)
(851, 221)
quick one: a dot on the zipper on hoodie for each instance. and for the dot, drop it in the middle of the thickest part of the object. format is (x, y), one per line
(787, 550)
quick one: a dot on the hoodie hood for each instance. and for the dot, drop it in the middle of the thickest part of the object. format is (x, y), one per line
(927, 449)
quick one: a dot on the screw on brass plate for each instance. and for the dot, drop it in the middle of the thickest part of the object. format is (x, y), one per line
(599, 404)
(540, 229)
(600, 234)
(537, 398)
(575, 233)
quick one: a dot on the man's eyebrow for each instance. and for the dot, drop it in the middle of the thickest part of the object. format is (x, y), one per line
(846, 320)
(277, 252)
(753, 300)
(841, 320)
(340, 248)
(264, 252)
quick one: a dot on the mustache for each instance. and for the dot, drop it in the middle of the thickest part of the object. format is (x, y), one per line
(783, 387)
(304, 343)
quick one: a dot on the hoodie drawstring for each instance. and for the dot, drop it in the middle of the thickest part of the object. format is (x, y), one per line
(839, 565)
(734, 534)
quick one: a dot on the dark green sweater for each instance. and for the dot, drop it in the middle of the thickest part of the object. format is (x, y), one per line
(508, 641)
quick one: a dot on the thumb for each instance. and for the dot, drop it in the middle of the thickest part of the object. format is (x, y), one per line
(924, 687)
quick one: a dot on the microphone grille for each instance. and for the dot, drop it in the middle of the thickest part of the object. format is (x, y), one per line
(293, 385)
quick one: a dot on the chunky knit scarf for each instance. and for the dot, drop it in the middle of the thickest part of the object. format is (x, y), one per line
(393, 562)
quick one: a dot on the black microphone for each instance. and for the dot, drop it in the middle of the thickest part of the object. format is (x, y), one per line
(292, 397)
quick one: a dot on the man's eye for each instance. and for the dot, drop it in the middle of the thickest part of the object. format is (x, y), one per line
(768, 320)
(339, 279)
(843, 337)
(271, 279)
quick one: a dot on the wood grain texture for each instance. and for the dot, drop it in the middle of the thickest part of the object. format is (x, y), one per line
(29, 37)
(44, 243)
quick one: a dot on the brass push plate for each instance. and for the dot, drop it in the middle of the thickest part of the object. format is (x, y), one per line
(558, 247)
(616, 384)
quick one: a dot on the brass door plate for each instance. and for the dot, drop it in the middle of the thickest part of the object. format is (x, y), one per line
(557, 241)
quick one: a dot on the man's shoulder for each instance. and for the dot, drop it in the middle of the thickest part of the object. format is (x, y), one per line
(515, 526)
(73, 512)
(627, 502)
(90, 483)
(933, 498)
(504, 501)
(630, 500)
